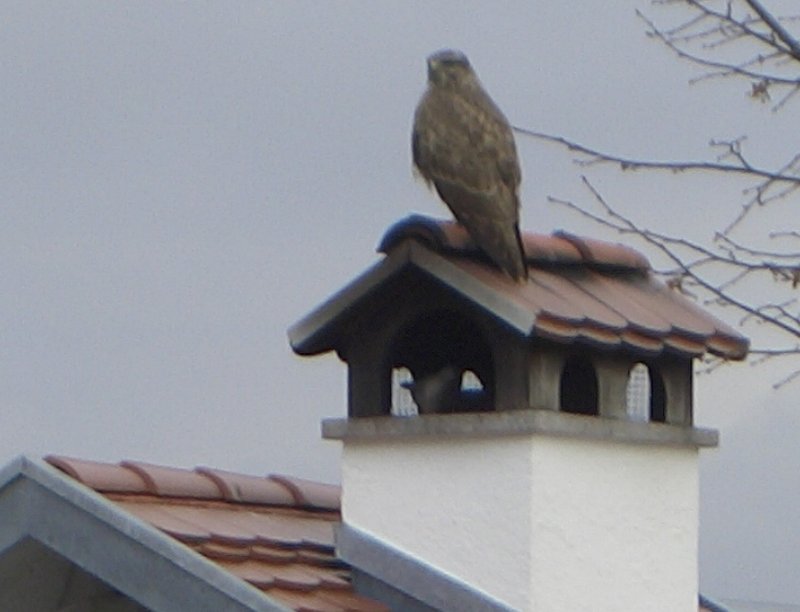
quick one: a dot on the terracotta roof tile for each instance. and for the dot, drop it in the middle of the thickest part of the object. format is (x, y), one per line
(580, 289)
(685, 345)
(103, 477)
(308, 493)
(201, 483)
(274, 528)
(641, 342)
(174, 482)
(249, 489)
(561, 247)
(321, 559)
(216, 522)
(332, 580)
(275, 533)
(573, 292)
(295, 577)
(227, 552)
(554, 329)
(273, 554)
(603, 253)
(636, 315)
(258, 574)
(161, 516)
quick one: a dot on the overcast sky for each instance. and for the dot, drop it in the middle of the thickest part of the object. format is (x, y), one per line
(180, 182)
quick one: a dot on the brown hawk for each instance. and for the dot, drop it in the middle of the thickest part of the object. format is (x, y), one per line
(463, 144)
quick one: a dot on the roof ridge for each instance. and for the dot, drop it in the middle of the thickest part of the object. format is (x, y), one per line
(200, 483)
(558, 248)
(141, 473)
(293, 489)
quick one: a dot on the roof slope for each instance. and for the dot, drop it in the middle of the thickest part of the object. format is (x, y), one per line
(274, 532)
(579, 290)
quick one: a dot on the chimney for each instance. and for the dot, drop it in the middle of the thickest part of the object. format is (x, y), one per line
(525, 446)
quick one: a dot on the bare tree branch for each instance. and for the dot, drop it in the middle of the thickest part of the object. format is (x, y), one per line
(775, 25)
(596, 156)
(721, 68)
(773, 51)
(773, 184)
(688, 268)
(736, 39)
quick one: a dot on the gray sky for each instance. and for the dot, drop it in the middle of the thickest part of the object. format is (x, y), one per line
(182, 181)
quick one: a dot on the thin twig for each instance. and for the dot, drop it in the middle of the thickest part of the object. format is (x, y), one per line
(628, 163)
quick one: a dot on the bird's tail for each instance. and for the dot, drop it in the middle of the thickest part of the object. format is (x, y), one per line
(490, 221)
(503, 244)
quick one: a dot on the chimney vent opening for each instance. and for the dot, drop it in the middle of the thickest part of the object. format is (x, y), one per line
(441, 363)
(578, 386)
(645, 394)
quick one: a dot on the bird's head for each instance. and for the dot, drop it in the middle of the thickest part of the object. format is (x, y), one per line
(448, 67)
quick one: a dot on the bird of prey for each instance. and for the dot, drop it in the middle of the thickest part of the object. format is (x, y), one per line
(462, 144)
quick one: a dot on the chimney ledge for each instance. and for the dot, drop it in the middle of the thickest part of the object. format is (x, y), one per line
(516, 423)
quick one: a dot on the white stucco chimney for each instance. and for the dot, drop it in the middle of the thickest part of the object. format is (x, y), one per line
(540, 510)
(566, 476)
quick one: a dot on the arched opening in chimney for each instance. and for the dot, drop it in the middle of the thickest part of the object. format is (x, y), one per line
(646, 398)
(443, 362)
(402, 401)
(578, 386)
(637, 393)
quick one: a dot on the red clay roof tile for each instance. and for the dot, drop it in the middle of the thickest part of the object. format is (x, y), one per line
(559, 331)
(103, 477)
(637, 316)
(319, 558)
(561, 247)
(260, 575)
(174, 482)
(605, 253)
(570, 289)
(275, 533)
(202, 483)
(249, 489)
(160, 516)
(579, 289)
(332, 580)
(217, 523)
(225, 552)
(308, 493)
(295, 577)
(641, 342)
(273, 554)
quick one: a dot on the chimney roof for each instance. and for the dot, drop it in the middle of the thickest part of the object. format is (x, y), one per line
(579, 290)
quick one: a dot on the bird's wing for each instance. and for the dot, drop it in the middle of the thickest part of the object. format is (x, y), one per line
(485, 218)
(465, 148)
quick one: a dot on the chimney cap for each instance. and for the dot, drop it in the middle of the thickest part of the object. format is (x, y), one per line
(580, 290)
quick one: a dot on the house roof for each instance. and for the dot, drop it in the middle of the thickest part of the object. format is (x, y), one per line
(579, 291)
(64, 546)
(274, 532)
(81, 534)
